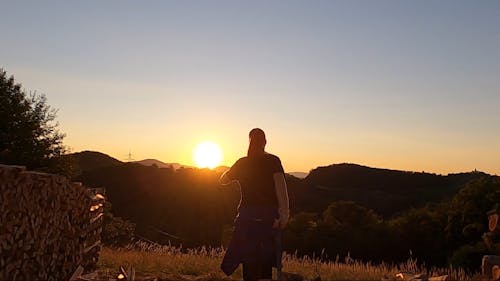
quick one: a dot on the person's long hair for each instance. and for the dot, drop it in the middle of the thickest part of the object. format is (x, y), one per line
(257, 142)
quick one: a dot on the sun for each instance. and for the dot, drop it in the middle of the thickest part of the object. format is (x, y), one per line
(207, 155)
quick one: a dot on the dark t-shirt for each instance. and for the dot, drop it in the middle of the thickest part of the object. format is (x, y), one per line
(255, 175)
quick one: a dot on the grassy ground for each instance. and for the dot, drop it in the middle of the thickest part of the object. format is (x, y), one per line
(164, 260)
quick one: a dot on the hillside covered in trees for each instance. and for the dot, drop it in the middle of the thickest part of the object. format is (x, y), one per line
(334, 209)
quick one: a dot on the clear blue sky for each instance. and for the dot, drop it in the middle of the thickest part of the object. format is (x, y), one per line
(411, 85)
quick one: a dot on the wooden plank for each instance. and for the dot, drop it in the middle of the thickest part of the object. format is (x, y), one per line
(86, 250)
(93, 220)
(78, 272)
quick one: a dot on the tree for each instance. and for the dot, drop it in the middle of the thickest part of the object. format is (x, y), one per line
(28, 132)
(467, 210)
(349, 215)
(420, 232)
(301, 234)
(345, 226)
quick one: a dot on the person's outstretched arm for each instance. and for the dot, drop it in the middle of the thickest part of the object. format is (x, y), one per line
(282, 195)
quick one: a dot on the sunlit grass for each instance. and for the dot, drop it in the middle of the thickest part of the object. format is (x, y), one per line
(166, 260)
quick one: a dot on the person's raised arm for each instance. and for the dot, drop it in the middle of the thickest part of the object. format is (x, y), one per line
(225, 179)
(230, 175)
(282, 196)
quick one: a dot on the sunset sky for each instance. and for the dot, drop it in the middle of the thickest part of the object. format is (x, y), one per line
(408, 85)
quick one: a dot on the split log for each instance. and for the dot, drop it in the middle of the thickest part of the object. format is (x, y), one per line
(493, 221)
(491, 266)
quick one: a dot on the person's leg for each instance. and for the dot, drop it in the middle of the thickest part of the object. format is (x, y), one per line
(251, 271)
(262, 256)
(266, 271)
(257, 271)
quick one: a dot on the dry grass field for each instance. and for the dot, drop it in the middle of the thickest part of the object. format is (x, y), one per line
(165, 261)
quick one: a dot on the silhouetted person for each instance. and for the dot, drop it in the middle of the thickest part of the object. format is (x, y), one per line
(263, 211)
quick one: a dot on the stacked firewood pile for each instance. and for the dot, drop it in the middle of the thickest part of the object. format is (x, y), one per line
(48, 225)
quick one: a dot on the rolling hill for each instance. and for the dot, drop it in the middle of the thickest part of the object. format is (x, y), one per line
(388, 192)
(91, 160)
(383, 190)
(160, 164)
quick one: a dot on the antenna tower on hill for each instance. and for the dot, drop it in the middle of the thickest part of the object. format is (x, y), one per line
(129, 156)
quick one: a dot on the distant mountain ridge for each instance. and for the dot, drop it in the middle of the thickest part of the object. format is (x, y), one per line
(192, 205)
(383, 190)
(90, 160)
(358, 176)
(300, 175)
(332, 176)
(160, 164)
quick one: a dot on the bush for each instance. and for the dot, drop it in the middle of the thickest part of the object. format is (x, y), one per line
(116, 231)
(469, 257)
